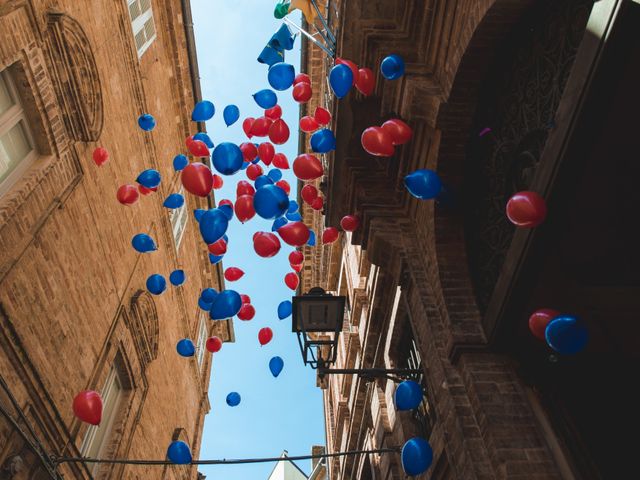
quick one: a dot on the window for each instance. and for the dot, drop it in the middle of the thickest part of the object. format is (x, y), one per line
(96, 440)
(16, 142)
(178, 217)
(144, 29)
(202, 339)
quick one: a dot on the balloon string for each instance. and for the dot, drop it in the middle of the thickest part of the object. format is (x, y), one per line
(224, 461)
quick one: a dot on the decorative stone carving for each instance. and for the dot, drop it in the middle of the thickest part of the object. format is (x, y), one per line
(144, 326)
(76, 77)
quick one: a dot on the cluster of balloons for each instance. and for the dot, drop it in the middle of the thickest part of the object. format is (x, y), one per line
(321, 117)
(346, 74)
(311, 197)
(302, 90)
(381, 141)
(566, 334)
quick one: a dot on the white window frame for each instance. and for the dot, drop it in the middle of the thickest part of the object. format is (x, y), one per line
(179, 218)
(97, 439)
(203, 334)
(15, 115)
(138, 23)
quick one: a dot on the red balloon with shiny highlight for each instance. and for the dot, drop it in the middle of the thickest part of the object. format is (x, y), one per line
(265, 335)
(302, 78)
(279, 132)
(309, 193)
(254, 171)
(295, 234)
(247, 125)
(284, 185)
(399, 131)
(197, 179)
(307, 167)
(526, 209)
(233, 274)
(198, 148)
(100, 156)
(296, 257)
(247, 312)
(291, 280)
(350, 223)
(245, 298)
(366, 82)
(376, 141)
(244, 209)
(309, 124)
(213, 344)
(266, 244)
(322, 116)
(218, 248)
(317, 203)
(249, 151)
(87, 406)
(217, 181)
(274, 113)
(280, 161)
(330, 235)
(260, 127)
(127, 194)
(266, 152)
(146, 191)
(244, 188)
(539, 320)
(302, 92)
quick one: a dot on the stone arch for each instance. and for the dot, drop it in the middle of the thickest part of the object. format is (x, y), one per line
(488, 57)
(76, 77)
(144, 326)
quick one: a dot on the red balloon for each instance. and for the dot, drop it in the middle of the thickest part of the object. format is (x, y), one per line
(226, 201)
(87, 406)
(350, 223)
(296, 257)
(266, 152)
(539, 320)
(217, 181)
(146, 191)
(197, 179)
(330, 235)
(244, 208)
(214, 344)
(244, 188)
(232, 274)
(279, 132)
(302, 92)
(366, 81)
(273, 113)
(254, 171)
(399, 131)
(297, 268)
(218, 248)
(376, 141)
(100, 156)
(291, 280)
(198, 148)
(317, 203)
(249, 151)
(295, 234)
(127, 194)
(265, 335)
(284, 185)
(351, 65)
(526, 209)
(247, 312)
(322, 116)
(261, 126)
(302, 78)
(309, 124)
(280, 161)
(266, 244)
(188, 141)
(309, 193)
(307, 167)
(247, 125)
(245, 298)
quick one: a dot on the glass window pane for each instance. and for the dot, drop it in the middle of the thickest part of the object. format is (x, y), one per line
(134, 10)
(140, 39)
(6, 101)
(14, 147)
(149, 28)
(145, 5)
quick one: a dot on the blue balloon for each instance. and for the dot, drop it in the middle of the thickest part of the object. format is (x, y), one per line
(156, 284)
(312, 238)
(244, 166)
(213, 225)
(197, 213)
(265, 98)
(293, 206)
(408, 395)
(323, 141)
(213, 259)
(185, 348)
(227, 158)
(417, 456)
(262, 180)
(146, 122)
(231, 114)
(341, 80)
(203, 137)
(275, 175)
(294, 217)
(177, 278)
(276, 364)
(143, 243)
(208, 295)
(227, 210)
(567, 335)
(226, 305)
(204, 305)
(179, 162)
(175, 200)
(149, 178)
(179, 453)
(233, 399)
(270, 202)
(392, 67)
(277, 223)
(281, 75)
(423, 184)
(203, 111)
(284, 309)
(225, 238)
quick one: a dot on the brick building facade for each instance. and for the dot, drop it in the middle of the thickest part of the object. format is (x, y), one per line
(74, 310)
(448, 286)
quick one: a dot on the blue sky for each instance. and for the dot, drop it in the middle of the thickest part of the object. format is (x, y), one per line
(275, 413)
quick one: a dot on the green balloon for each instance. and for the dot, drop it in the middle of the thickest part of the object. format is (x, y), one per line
(282, 9)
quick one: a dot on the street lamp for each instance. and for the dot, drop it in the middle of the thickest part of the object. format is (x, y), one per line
(316, 316)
